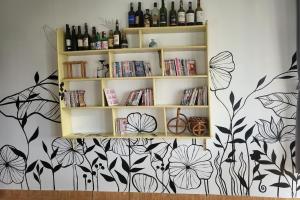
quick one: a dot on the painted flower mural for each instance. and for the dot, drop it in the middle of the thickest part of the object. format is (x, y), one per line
(190, 164)
(12, 166)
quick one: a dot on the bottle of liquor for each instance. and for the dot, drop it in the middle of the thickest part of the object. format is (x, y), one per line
(190, 15)
(74, 39)
(86, 38)
(104, 41)
(79, 39)
(139, 16)
(163, 14)
(199, 18)
(98, 41)
(111, 39)
(155, 15)
(68, 42)
(147, 18)
(93, 38)
(117, 36)
(181, 15)
(131, 17)
(124, 43)
(173, 15)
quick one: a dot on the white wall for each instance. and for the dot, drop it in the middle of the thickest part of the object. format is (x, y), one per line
(261, 35)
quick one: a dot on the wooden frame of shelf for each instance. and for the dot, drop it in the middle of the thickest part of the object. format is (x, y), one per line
(62, 56)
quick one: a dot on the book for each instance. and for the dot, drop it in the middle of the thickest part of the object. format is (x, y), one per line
(180, 67)
(121, 125)
(139, 68)
(191, 65)
(147, 67)
(111, 97)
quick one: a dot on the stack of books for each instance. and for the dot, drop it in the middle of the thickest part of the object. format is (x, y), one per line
(74, 98)
(142, 97)
(180, 67)
(121, 124)
(131, 69)
(195, 96)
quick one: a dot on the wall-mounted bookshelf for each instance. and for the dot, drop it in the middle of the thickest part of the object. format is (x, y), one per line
(97, 119)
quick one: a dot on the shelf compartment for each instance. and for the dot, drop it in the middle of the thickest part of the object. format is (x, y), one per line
(168, 29)
(134, 50)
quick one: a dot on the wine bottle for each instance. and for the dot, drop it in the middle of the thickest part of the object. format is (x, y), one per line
(74, 39)
(131, 17)
(139, 16)
(199, 18)
(147, 18)
(124, 43)
(117, 36)
(98, 41)
(79, 39)
(93, 38)
(68, 43)
(181, 15)
(163, 14)
(173, 15)
(111, 39)
(155, 15)
(86, 38)
(190, 15)
(104, 41)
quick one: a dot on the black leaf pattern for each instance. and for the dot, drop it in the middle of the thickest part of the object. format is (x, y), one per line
(238, 122)
(121, 177)
(85, 169)
(46, 165)
(261, 81)
(152, 146)
(139, 161)
(107, 178)
(224, 130)
(101, 156)
(31, 167)
(113, 164)
(136, 169)
(172, 186)
(125, 165)
(35, 135)
(260, 177)
(45, 148)
(281, 185)
(36, 78)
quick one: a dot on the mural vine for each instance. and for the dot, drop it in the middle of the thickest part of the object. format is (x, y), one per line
(239, 160)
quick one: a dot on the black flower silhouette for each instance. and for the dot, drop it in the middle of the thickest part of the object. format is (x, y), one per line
(255, 155)
(12, 166)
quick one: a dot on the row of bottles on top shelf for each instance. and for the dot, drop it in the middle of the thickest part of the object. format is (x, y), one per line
(96, 41)
(159, 17)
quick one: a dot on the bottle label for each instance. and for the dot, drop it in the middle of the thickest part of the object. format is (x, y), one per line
(190, 17)
(173, 20)
(137, 20)
(200, 16)
(98, 45)
(131, 20)
(147, 22)
(68, 42)
(163, 19)
(85, 42)
(155, 20)
(181, 17)
(110, 42)
(104, 44)
(116, 40)
(93, 45)
(80, 43)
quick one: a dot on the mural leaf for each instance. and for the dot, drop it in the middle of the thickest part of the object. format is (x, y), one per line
(57, 167)
(283, 104)
(231, 98)
(238, 122)
(18, 152)
(172, 186)
(273, 156)
(125, 165)
(54, 153)
(218, 145)
(282, 164)
(237, 105)
(85, 169)
(140, 160)
(265, 162)
(255, 169)
(101, 156)
(89, 149)
(94, 161)
(96, 142)
(238, 140)
(24, 120)
(230, 160)
(259, 177)
(231, 153)
(265, 147)
(112, 164)
(107, 178)
(286, 77)
(224, 130)
(243, 182)
(35, 135)
(152, 146)
(107, 147)
(294, 58)
(45, 147)
(53, 77)
(167, 167)
(18, 103)
(292, 145)
(256, 141)
(276, 172)
(175, 144)
(294, 67)
(121, 177)
(290, 174)
(261, 81)
(36, 177)
(239, 129)
(32, 96)
(31, 167)
(41, 170)
(46, 165)
(281, 185)
(218, 138)
(36, 77)
(136, 170)
(158, 157)
(80, 141)
(249, 132)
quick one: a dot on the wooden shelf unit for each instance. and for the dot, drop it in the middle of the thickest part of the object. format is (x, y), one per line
(111, 112)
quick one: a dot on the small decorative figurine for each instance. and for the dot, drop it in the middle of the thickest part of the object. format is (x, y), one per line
(153, 44)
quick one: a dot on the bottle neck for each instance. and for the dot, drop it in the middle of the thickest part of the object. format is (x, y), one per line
(172, 7)
(198, 4)
(181, 4)
(190, 6)
(162, 3)
(140, 7)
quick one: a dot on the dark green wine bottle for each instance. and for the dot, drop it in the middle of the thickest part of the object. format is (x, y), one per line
(173, 15)
(163, 14)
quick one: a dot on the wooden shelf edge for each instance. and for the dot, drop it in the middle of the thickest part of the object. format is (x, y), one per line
(167, 29)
